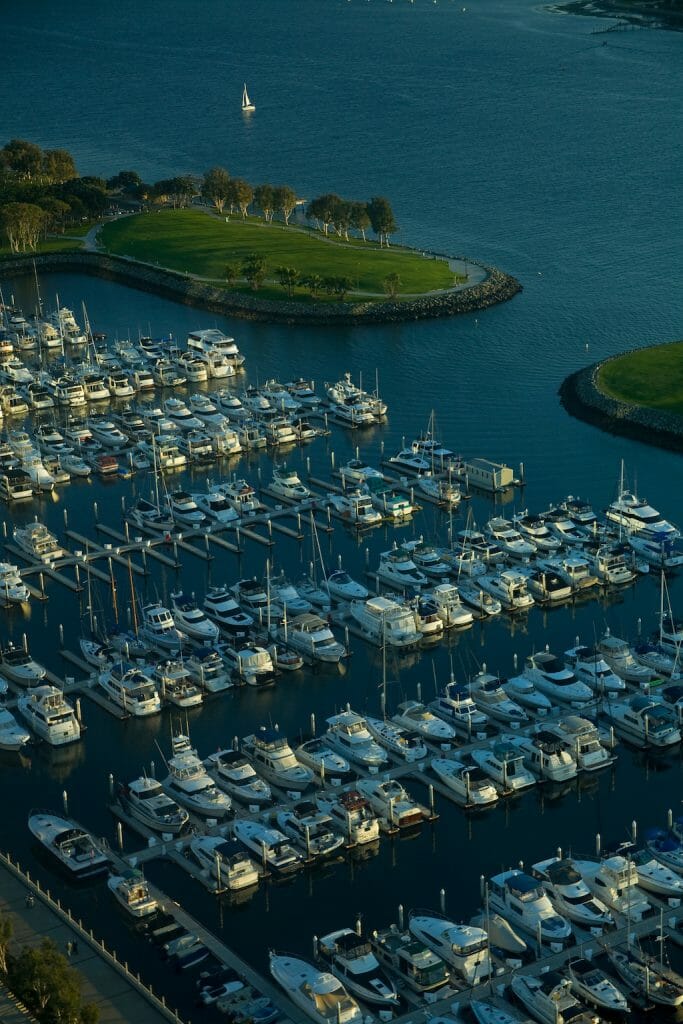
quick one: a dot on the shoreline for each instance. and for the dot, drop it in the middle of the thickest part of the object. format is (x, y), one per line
(642, 14)
(191, 291)
(581, 397)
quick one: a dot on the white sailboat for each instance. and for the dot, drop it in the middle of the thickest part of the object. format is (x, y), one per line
(247, 105)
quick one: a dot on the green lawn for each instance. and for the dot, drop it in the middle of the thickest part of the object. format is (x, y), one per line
(191, 240)
(52, 244)
(652, 378)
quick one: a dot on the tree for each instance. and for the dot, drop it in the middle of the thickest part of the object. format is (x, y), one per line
(288, 277)
(125, 181)
(216, 187)
(58, 165)
(231, 272)
(284, 200)
(322, 209)
(22, 223)
(381, 218)
(359, 218)
(56, 212)
(6, 933)
(341, 285)
(314, 283)
(241, 195)
(392, 285)
(254, 270)
(264, 199)
(341, 216)
(25, 159)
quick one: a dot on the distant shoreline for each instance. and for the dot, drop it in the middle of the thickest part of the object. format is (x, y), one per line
(642, 13)
(497, 287)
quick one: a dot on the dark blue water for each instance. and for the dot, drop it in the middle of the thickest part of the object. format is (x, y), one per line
(507, 133)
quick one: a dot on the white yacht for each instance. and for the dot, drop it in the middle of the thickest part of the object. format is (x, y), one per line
(590, 668)
(645, 722)
(455, 706)
(312, 637)
(483, 603)
(570, 895)
(175, 684)
(355, 508)
(233, 773)
(447, 600)
(211, 339)
(523, 692)
(549, 998)
(180, 416)
(415, 717)
(351, 958)
(310, 829)
(544, 754)
(388, 501)
(189, 782)
(492, 700)
(287, 484)
(352, 814)
(546, 587)
(574, 569)
(523, 901)
(223, 609)
(443, 492)
(470, 786)
(131, 689)
(581, 740)
(408, 459)
(349, 734)
(654, 876)
(192, 621)
(662, 553)
(622, 660)
(106, 432)
(215, 506)
(248, 662)
(535, 529)
(73, 847)
(647, 976)
(463, 947)
(17, 665)
(279, 431)
(341, 587)
(614, 881)
(612, 563)
(184, 509)
(636, 516)
(403, 743)
(270, 848)
(327, 763)
(358, 471)
(145, 799)
(382, 620)
(397, 568)
(12, 587)
(558, 683)
(510, 540)
(320, 995)
(221, 858)
(38, 543)
(509, 587)
(133, 893)
(504, 764)
(49, 715)
(274, 759)
(241, 495)
(159, 629)
(12, 736)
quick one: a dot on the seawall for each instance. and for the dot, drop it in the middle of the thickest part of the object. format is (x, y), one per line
(497, 287)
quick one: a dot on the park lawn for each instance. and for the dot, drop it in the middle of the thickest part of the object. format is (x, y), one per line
(192, 241)
(51, 244)
(652, 377)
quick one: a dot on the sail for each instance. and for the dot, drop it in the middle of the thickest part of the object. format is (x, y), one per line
(246, 102)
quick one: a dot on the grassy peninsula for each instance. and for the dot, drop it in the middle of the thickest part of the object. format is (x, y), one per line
(651, 378)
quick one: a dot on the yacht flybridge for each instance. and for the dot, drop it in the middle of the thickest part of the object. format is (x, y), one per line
(463, 947)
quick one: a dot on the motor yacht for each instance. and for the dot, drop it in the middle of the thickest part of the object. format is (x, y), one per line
(391, 802)
(644, 721)
(574, 569)
(561, 524)
(544, 754)
(146, 515)
(523, 901)
(251, 435)
(221, 858)
(351, 958)
(13, 737)
(622, 661)
(590, 668)
(183, 509)
(470, 786)
(215, 507)
(130, 688)
(36, 541)
(352, 814)
(492, 700)
(49, 715)
(581, 740)
(274, 759)
(558, 683)
(491, 1013)
(510, 540)
(611, 563)
(223, 609)
(410, 960)
(269, 847)
(37, 397)
(189, 783)
(120, 385)
(133, 893)
(248, 662)
(570, 895)
(303, 392)
(192, 621)
(549, 998)
(241, 496)
(397, 568)
(427, 559)
(287, 484)
(389, 502)
(232, 771)
(349, 734)
(358, 472)
(656, 658)
(12, 587)
(535, 531)
(317, 993)
(410, 460)
(159, 630)
(449, 607)
(647, 976)
(214, 340)
(463, 947)
(653, 874)
(659, 552)
(614, 880)
(353, 411)
(180, 416)
(69, 392)
(443, 492)
(279, 431)
(384, 621)
(145, 799)
(15, 485)
(509, 587)
(483, 603)
(106, 432)
(17, 665)
(229, 404)
(635, 515)
(285, 598)
(202, 406)
(175, 684)
(310, 829)
(403, 743)
(455, 706)
(355, 508)
(546, 587)
(207, 669)
(415, 717)
(72, 846)
(341, 587)
(327, 763)
(504, 764)
(523, 692)
(312, 637)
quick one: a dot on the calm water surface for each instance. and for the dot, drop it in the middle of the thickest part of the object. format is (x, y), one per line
(504, 132)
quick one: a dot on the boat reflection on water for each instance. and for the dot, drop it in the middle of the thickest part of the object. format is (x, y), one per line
(57, 762)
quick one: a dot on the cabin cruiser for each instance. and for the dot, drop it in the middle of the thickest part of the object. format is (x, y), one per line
(310, 829)
(74, 465)
(397, 568)
(388, 501)
(448, 607)
(248, 662)
(443, 492)
(523, 692)
(144, 799)
(133, 893)
(574, 569)
(231, 869)
(215, 506)
(547, 587)
(50, 440)
(414, 716)
(656, 658)
(229, 404)
(455, 706)
(274, 759)
(12, 587)
(36, 541)
(647, 976)
(351, 958)
(251, 435)
(463, 947)
(131, 689)
(232, 772)
(570, 895)
(544, 754)
(352, 410)
(279, 396)
(189, 782)
(223, 609)
(469, 784)
(413, 962)
(481, 601)
(14, 371)
(12, 736)
(183, 509)
(257, 404)
(340, 586)
(558, 683)
(212, 339)
(271, 849)
(345, 391)
(312, 637)
(645, 722)
(549, 998)
(328, 764)
(589, 667)
(106, 432)
(180, 416)
(252, 596)
(286, 598)
(349, 734)
(353, 816)
(286, 484)
(504, 764)
(319, 994)
(523, 901)
(202, 406)
(279, 431)
(241, 496)
(17, 665)
(535, 530)
(407, 745)
(407, 459)
(653, 874)
(74, 848)
(427, 559)
(69, 392)
(175, 684)
(509, 587)
(510, 540)
(119, 384)
(303, 391)
(359, 471)
(612, 563)
(382, 620)
(636, 516)
(660, 552)
(491, 699)
(49, 715)
(581, 740)
(37, 397)
(192, 621)
(159, 629)
(15, 485)
(205, 445)
(622, 661)
(166, 375)
(191, 366)
(355, 508)
(564, 528)
(614, 880)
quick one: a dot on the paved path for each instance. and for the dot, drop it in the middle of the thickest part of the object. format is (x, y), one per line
(117, 1000)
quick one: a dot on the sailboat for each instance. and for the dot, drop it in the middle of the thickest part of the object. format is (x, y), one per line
(247, 105)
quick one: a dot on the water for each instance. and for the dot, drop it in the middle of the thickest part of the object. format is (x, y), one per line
(506, 133)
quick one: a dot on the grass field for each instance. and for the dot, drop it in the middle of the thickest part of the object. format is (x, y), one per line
(652, 378)
(192, 241)
(46, 245)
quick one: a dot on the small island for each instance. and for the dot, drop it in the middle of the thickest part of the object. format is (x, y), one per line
(217, 242)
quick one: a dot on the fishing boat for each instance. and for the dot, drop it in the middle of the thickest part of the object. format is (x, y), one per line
(320, 995)
(232, 869)
(247, 106)
(232, 772)
(133, 893)
(351, 958)
(49, 715)
(145, 799)
(74, 848)
(463, 947)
